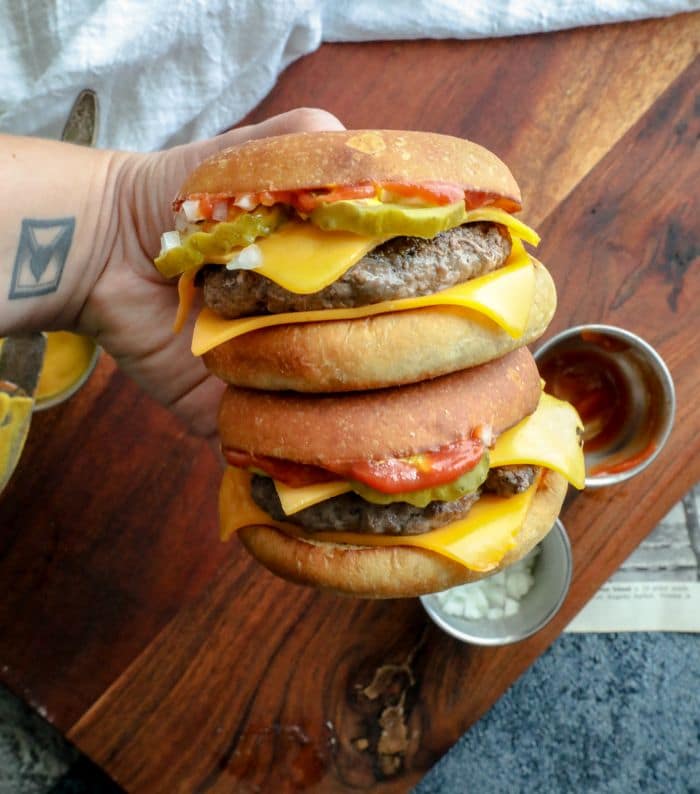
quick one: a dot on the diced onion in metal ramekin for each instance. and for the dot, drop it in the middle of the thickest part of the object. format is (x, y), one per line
(495, 597)
(169, 240)
(248, 259)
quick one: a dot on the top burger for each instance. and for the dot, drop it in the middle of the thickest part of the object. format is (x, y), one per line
(368, 299)
(341, 261)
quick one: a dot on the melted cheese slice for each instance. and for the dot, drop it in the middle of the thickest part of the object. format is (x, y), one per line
(549, 437)
(479, 541)
(186, 292)
(546, 438)
(517, 228)
(303, 259)
(504, 296)
(295, 499)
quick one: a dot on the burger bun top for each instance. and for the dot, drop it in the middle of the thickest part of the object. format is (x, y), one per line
(382, 423)
(309, 160)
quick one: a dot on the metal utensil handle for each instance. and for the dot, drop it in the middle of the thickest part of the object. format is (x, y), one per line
(82, 124)
(21, 357)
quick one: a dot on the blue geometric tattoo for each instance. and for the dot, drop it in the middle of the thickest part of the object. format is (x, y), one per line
(41, 256)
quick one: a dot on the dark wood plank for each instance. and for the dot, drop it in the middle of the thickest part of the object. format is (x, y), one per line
(108, 527)
(259, 683)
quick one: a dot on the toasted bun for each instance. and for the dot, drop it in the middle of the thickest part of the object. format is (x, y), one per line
(305, 160)
(396, 422)
(392, 571)
(380, 351)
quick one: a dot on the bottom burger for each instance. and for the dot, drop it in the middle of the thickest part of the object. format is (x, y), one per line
(401, 491)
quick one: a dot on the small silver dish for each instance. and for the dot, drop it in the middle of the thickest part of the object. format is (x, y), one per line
(624, 394)
(552, 571)
(69, 377)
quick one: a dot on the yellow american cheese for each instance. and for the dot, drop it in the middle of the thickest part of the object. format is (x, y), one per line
(302, 258)
(547, 438)
(295, 499)
(504, 296)
(479, 541)
(517, 228)
(186, 294)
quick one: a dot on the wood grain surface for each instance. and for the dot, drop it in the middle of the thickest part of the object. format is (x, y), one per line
(177, 663)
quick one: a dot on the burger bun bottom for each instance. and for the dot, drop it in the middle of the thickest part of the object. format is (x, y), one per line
(375, 352)
(392, 571)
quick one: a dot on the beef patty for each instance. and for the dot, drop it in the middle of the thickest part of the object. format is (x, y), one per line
(402, 267)
(350, 513)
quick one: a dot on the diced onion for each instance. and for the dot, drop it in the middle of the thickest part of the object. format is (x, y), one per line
(192, 210)
(245, 202)
(485, 434)
(220, 211)
(248, 259)
(169, 240)
(492, 598)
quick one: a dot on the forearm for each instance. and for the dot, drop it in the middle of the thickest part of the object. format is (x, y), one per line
(58, 226)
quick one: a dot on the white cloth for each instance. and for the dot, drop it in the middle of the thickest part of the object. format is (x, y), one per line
(167, 72)
(368, 20)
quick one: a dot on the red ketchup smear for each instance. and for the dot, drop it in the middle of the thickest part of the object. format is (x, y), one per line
(596, 386)
(624, 465)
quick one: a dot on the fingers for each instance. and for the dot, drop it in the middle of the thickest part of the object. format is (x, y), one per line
(297, 120)
(157, 177)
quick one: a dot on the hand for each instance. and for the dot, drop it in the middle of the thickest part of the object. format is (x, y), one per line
(131, 308)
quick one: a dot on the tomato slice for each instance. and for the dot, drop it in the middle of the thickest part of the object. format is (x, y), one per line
(477, 199)
(308, 200)
(432, 192)
(347, 192)
(269, 197)
(393, 475)
(206, 206)
(396, 475)
(296, 475)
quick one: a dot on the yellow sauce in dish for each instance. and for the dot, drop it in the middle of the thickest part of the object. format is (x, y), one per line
(68, 359)
(15, 414)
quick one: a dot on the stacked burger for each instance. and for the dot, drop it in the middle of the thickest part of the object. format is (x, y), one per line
(368, 300)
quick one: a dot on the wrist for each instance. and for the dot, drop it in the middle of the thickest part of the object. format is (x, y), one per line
(56, 233)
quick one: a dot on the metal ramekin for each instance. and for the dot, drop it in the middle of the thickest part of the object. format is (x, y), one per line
(552, 573)
(652, 399)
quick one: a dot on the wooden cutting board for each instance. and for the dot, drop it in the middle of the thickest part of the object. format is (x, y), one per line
(178, 664)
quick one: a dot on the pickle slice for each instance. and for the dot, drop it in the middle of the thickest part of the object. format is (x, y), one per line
(388, 220)
(465, 484)
(220, 242)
